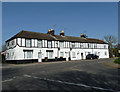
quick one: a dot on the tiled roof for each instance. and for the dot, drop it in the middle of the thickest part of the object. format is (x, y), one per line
(37, 35)
(34, 35)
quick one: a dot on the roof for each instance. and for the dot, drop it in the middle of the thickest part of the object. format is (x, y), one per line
(41, 36)
(34, 35)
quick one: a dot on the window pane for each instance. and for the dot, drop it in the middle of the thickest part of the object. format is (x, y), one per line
(49, 44)
(28, 54)
(27, 43)
(61, 44)
(13, 42)
(25, 54)
(50, 54)
(73, 45)
(39, 43)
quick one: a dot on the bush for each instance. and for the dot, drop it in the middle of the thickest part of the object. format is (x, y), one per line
(117, 60)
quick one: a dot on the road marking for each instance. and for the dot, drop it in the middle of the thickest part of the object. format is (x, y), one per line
(7, 80)
(69, 83)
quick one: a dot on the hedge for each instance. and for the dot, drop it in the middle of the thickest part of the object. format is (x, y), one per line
(117, 60)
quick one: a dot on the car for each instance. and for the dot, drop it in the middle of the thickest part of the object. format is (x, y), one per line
(92, 56)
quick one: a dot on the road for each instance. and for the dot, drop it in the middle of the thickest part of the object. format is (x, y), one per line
(82, 75)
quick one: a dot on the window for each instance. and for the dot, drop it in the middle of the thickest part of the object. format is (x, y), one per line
(88, 45)
(39, 54)
(27, 43)
(105, 53)
(49, 54)
(61, 44)
(56, 44)
(39, 43)
(81, 45)
(28, 54)
(61, 54)
(104, 46)
(73, 45)
(49, 44)
(73, 54)
(95, 45)
(12, 42)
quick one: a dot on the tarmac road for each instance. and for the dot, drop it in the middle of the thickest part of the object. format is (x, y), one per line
(82, 75)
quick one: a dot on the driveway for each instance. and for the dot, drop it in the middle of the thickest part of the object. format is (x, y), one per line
(82, 75)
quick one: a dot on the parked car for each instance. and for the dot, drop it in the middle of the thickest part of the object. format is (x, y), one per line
(92, 56)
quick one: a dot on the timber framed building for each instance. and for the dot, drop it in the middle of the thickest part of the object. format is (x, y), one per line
(27, 46)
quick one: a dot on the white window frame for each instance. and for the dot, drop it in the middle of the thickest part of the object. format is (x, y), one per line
(39, 55)
(49, 44)
(26, 43)
(73, 44)
(39, 44)
(27, 53)
(49, 54)
(61, 44)
(12, 43)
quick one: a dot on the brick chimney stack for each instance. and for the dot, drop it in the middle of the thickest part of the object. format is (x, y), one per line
(62, 33)
(83, 35)
(51, 31)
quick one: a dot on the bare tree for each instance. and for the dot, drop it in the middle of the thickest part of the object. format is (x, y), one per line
(110, 39)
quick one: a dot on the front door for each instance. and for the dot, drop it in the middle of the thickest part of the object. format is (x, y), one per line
(81, 55)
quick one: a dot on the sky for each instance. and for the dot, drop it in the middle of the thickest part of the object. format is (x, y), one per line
(96, 20)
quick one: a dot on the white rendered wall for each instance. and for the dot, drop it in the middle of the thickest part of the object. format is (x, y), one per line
(10, 44)
(17, 53)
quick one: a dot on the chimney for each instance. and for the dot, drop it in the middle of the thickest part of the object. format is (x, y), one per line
(83, 35)
(62, 33)
(51, 31)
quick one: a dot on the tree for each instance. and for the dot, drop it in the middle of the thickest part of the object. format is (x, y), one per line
(110, 39)
(115, 52)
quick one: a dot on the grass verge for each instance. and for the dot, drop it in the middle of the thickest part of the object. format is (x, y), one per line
(117, 61)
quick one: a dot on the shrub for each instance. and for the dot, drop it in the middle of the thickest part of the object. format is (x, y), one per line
(117, 60)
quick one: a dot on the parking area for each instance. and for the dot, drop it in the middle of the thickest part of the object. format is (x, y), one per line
(82, 75)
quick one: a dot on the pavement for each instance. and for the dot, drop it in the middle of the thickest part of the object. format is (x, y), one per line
(80, 75)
